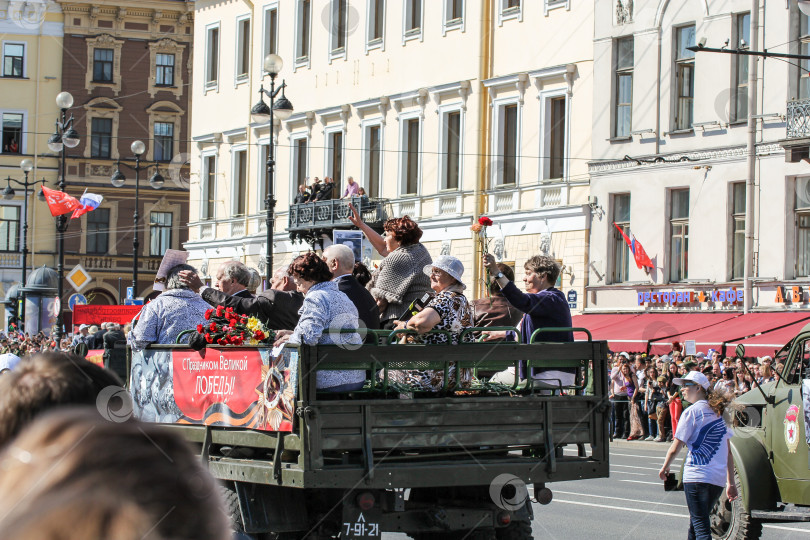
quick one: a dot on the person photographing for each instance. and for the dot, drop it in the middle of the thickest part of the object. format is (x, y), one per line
(709, 466)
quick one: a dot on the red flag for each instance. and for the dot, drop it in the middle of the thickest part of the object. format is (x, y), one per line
(621, 231)
(59, 202)
(642, 259)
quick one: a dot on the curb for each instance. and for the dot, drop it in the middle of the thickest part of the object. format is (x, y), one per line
(646, 445)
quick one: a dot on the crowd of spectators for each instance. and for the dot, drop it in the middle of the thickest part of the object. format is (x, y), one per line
(646, 403)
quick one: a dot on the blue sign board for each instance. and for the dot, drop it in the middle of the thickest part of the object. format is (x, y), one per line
(130, 293)
(572, 299)
(76, 299)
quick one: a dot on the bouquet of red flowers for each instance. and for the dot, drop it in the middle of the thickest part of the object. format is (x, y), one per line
(480, 229)
(225, 327)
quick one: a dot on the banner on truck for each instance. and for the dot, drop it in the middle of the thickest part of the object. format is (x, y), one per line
(232, 387)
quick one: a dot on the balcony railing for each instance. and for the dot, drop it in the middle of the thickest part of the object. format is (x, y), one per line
(335, 214)
(10, 260)
(798, 119)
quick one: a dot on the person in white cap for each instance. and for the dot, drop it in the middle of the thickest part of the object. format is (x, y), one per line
(8, 361)
(83, 336)
(709, 465)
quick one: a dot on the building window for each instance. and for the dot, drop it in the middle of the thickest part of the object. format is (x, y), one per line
(376, 21)
(556, 138)
(101, 138)
(742, 32)
(684, 77)
(212, 57)
(239, 205)
(339, 24)
(679, 232)
(12, 133)
(506, 174)
(413, 17)
(410, 156)
(803, 227)
(264, 150)
(242, 49)
(453, 14)
(164, 75)
(299, 162)
(9, 228)
(509, 9)
(103, 65)
(98, 231)
(160, 233)
(624, 87)
(335, 157)
(270, 31)
(164, 141)
(621, 253)
(13, 59)
(209, 187)
(451, 151)
(738, 224)
(373, 160)
(509, 5)
(302, 34)
(804, 49)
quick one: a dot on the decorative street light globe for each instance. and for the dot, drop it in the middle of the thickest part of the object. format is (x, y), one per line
(55, 142)
(7, 193)
(138, 148)
(282, 108)
(27, 165)
(273, 64)
(118, 178)
(64, 100)
(71, 138)
(157, 180)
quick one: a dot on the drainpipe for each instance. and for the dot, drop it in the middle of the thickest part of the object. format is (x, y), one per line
(751, 149)
(245, 220)
(479, 197)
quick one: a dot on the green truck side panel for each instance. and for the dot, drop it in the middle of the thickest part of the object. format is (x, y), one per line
(758, 485)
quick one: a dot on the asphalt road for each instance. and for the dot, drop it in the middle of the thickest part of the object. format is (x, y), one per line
(631, 504)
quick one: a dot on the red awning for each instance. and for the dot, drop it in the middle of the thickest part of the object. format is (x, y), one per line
(768, 343)
(714, 336)
(596, 322)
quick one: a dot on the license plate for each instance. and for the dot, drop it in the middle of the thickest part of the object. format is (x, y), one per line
(361, 524)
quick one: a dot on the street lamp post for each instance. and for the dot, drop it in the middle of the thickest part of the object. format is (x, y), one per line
(8, 193)
(156, 181)
(64, 137)
(262, 113)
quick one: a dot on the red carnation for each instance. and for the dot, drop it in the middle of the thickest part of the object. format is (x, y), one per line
(207, 337)
(212, 327)
(485, 221)
(199, 329)
(258, 335)
(220, 311)
(208, 313)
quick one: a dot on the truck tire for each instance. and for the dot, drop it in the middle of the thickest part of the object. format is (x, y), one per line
(231, 500)
(730, 521)
(517, 530)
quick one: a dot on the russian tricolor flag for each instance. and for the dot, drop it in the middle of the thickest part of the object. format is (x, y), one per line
(89, 202)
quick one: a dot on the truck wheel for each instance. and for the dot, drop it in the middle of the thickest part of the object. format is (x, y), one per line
(232, 508)
(730, 521)
(517, 530)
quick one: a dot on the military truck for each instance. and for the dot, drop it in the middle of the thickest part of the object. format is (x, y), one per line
(770, 450)
(449, 464)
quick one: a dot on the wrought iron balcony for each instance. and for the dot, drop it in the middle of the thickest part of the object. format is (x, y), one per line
(334, 214)
(798, 119)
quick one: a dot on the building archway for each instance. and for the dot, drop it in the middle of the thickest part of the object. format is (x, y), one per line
(100, 297)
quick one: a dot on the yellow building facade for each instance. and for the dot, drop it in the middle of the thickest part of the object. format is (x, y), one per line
(448, 109)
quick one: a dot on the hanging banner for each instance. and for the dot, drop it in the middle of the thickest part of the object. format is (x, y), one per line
(234, 387)
(84, 314)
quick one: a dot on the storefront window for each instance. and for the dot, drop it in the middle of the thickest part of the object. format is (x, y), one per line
(679, 232)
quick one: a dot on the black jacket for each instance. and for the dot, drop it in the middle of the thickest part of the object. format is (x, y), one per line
(98, 339)
(276, 309)
(367, 308)
(326, 192)
(115, 353)
(243, 294)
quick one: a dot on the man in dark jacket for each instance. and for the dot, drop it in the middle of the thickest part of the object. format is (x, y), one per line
(327, 191)
(233, 279)
(340, 260)
(277, 308)
(115, 350)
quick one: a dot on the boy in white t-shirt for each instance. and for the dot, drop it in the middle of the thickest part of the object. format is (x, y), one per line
(709, 466)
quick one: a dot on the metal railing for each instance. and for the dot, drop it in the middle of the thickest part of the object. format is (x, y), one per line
(798, 118)
(334, 214)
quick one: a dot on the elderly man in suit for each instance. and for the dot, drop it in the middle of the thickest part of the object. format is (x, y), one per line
(277, 307)
(340, 260)
(233, 279)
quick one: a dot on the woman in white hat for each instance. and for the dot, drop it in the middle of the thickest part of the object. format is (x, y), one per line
(450, 311)
(709, 466)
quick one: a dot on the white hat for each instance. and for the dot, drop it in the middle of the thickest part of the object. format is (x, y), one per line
(83, 326)
(9, 361)
(449, 264)
(695, 377)
(623, 353)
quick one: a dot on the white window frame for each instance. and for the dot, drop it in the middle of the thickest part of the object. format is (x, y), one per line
(498, 141)
(238, 55)
(208, 85)
(444, 110)
(297, 61)
(261, 144)
(365, 125)
(24, 128)
(269, 7)
(234, 172)
(406, 36)
(25, 57)
(453, 24)
(374, 44)
(545, 98)
(507, 14)
(548, 5)
(204, 195)
(294, 138)
(401, 179)
(337, 53)
(329, 151)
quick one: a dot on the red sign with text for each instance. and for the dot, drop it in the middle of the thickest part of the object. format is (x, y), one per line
(87, 314)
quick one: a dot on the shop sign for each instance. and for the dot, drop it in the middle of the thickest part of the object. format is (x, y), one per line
(792, 295)
(679, 298)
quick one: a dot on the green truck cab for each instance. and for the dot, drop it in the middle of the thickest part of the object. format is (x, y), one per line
(770, 450)
(451, 464)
